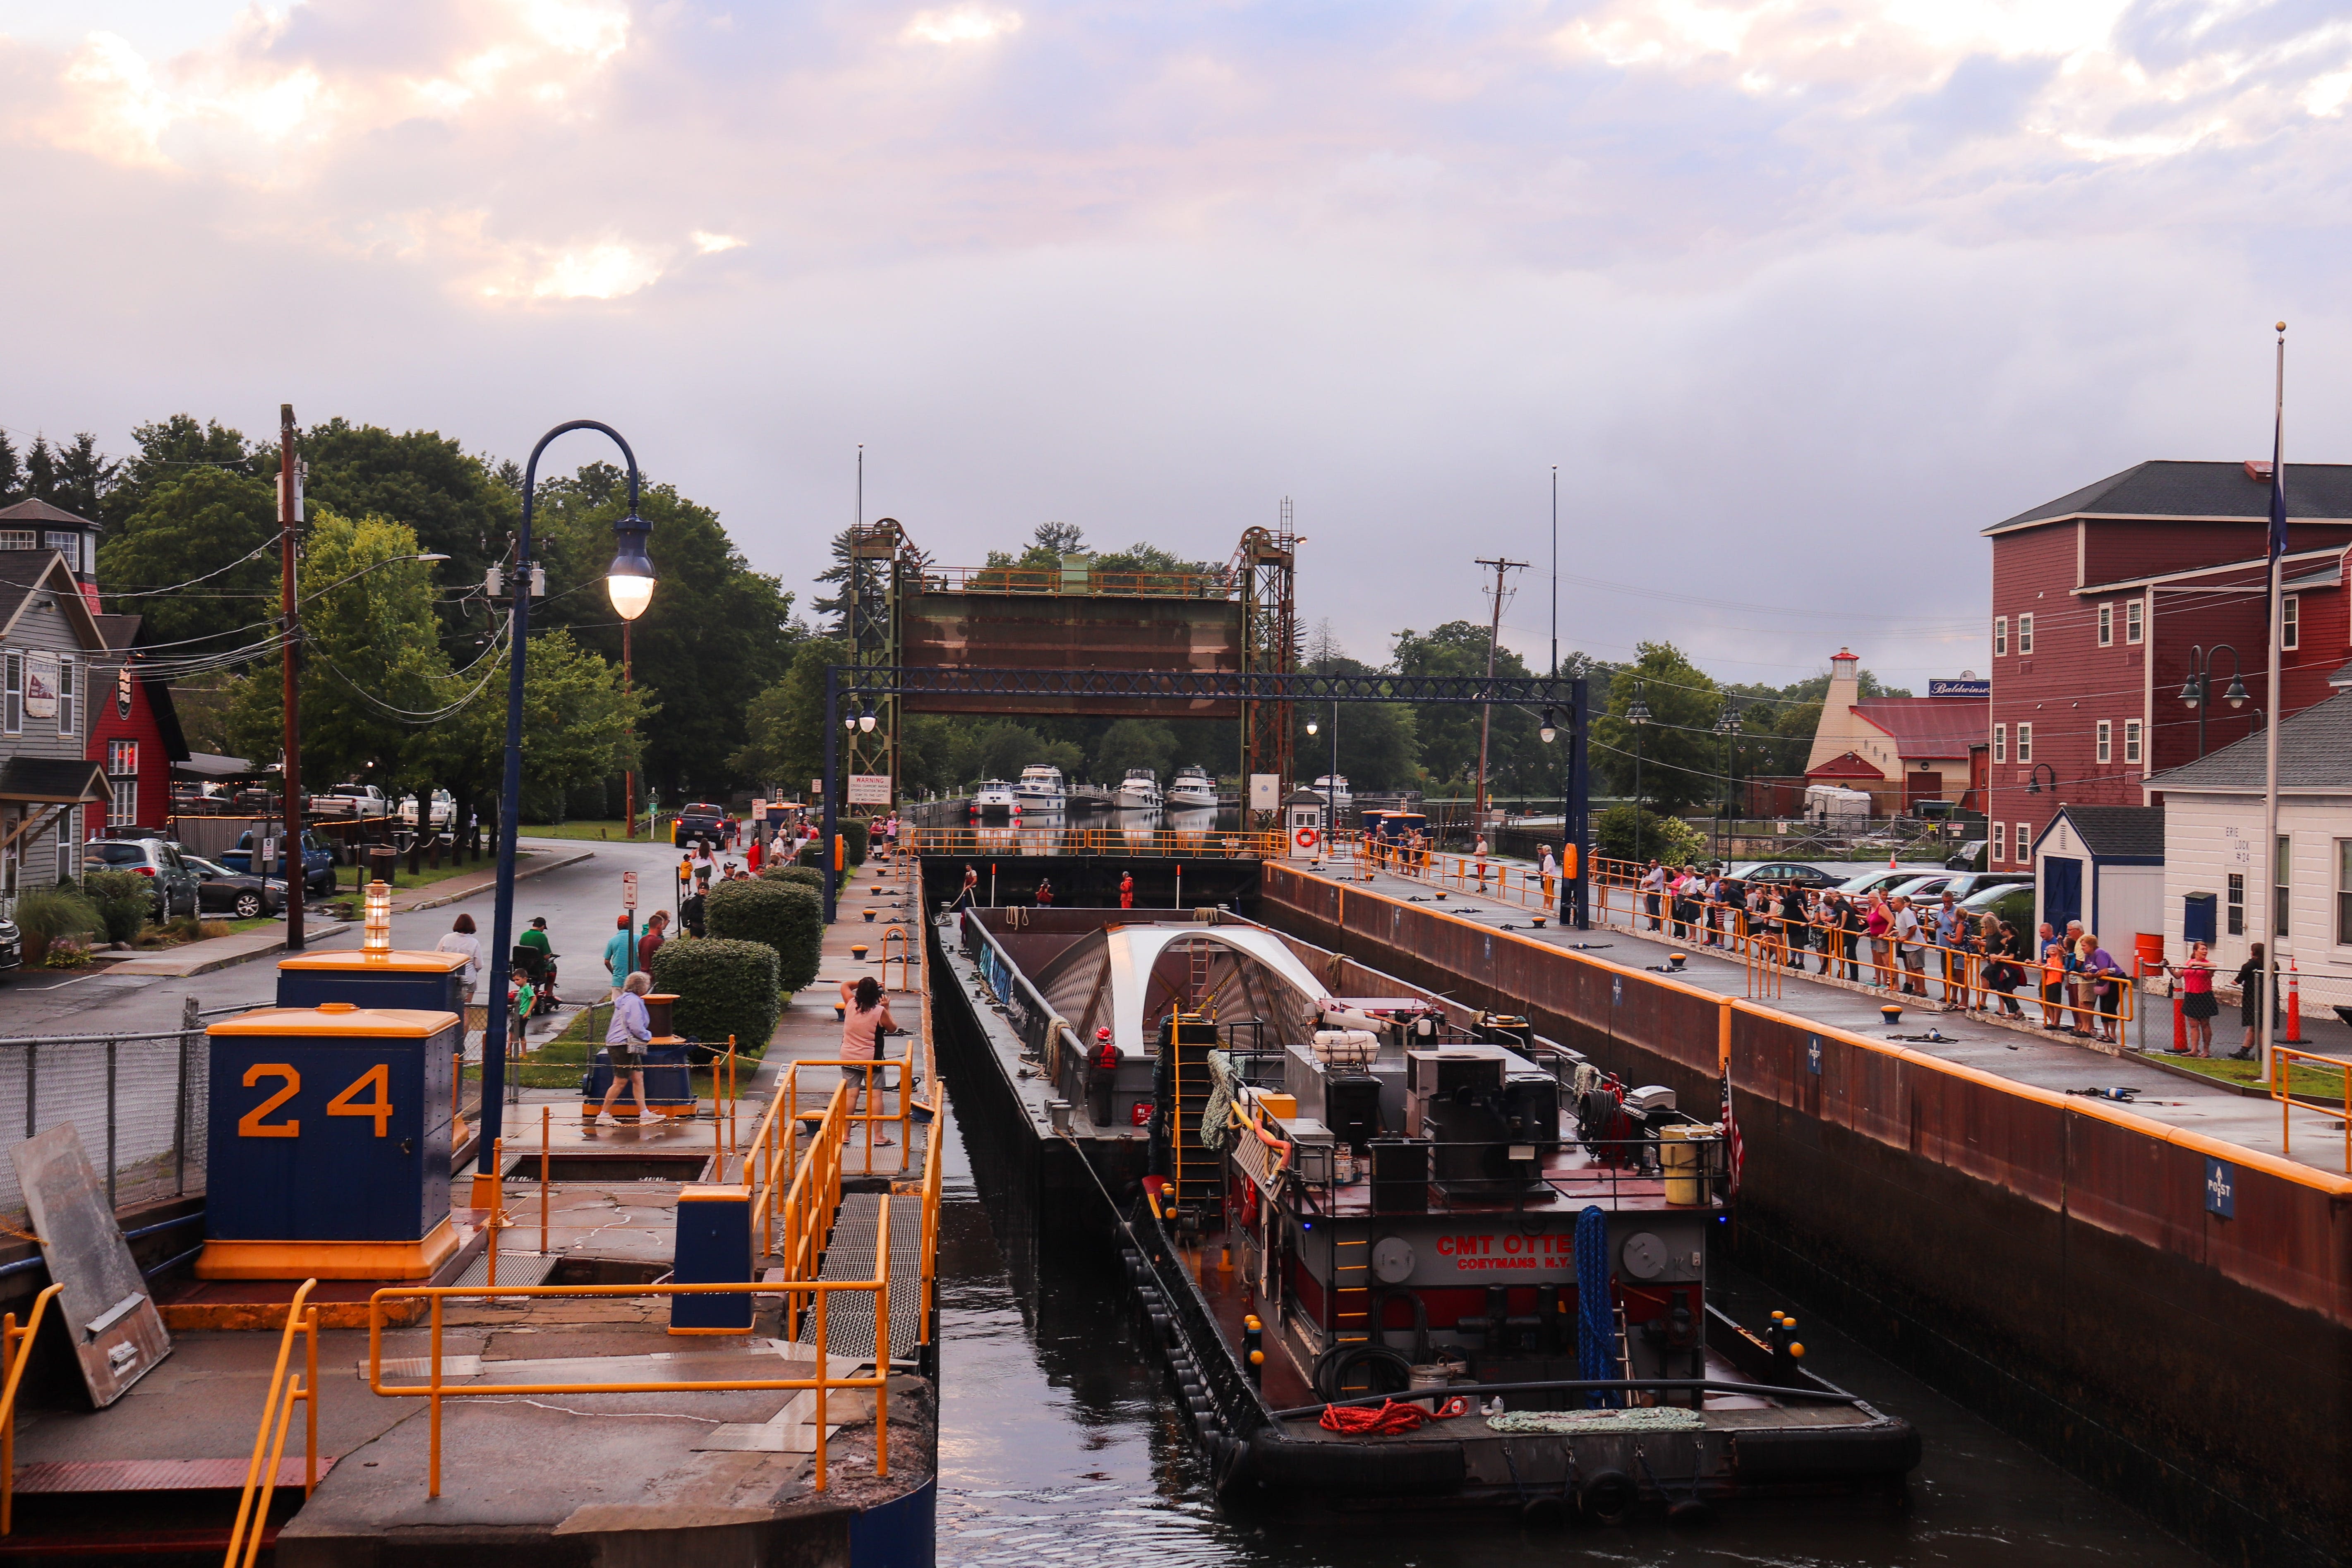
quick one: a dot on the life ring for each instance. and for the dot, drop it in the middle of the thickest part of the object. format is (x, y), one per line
(1305, 837)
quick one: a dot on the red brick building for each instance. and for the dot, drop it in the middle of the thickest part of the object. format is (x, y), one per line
(134, 731)
(2105, 603)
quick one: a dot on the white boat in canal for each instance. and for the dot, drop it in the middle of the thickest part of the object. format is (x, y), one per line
(1040, 788)
(1191, 787)
(994, 797)
(1334, 786)
(1140, 791)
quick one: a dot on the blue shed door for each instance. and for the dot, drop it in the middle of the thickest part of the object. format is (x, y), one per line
(2062, 890)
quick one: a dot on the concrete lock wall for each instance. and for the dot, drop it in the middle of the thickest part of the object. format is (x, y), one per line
(2049, 1260)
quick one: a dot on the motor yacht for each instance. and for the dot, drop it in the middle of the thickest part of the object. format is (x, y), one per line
(994, 797)
(1191, 787)
(1140, 791)
(1040, 788)
(1335, 786)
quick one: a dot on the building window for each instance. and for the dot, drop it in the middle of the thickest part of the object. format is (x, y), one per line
(122, 773)
(65, 697)
(2107, 626)
(2026, 633)
(1999, 842)
(2133, 623)
(2024, 745)
(2344, 892)
(2024, 843)
(2001, 743)
(123, 756)
(2237, 903)
(2282, 865)
(1999, 636)
(2131, 740)
(2106, 739)
(68, 545)
(2291, 622)
(15, 714)
(19, 538)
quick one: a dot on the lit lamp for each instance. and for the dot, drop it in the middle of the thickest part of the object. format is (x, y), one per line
(1548, 731)
(629, 580)
(1313, 728)
(376, 933)
(866, 721)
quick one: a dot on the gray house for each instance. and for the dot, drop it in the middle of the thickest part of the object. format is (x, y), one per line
(52, 656)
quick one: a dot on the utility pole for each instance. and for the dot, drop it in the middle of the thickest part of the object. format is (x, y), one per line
(1487, 709)
(628, 774)
(290, 507)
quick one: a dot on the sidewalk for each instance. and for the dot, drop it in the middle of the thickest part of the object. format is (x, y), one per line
(2025, 1055)
(221, 951)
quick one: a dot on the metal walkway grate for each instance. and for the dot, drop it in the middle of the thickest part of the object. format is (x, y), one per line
(849, 1319)
(514, 1268)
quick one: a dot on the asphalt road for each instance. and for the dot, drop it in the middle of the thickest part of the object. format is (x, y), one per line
(580, 903)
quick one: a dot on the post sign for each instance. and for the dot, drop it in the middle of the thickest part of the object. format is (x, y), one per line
(41, 686)
(1266, 792)
(869, 789)
(628, 889)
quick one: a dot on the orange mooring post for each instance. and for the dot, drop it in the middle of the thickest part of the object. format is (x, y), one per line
(2294, 1035)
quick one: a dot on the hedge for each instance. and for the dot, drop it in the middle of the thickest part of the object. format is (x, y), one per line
(799, 875)
(853, 830)
(723, 988)
(781, 914)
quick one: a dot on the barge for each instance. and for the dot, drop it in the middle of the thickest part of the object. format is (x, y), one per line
(1395, 1252)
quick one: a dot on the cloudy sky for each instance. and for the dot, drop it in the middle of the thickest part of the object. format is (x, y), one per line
(1798, 297)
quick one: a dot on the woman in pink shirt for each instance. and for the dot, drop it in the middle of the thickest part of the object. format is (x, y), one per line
(864, 1020)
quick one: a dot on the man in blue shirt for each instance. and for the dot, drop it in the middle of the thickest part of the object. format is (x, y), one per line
(1951, 935)
(617, 952)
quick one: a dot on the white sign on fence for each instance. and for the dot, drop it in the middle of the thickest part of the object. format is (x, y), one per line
(1266, 792)
(628, 889)
(869, 789)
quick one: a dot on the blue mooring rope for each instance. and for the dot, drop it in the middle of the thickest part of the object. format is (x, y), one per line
(1596, 1325)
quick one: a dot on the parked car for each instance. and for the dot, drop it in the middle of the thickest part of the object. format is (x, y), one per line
(697, 819)
(317, 861)
(1882, 880)
(220, 890)
(1918, 888)
(159, 858)
(444, 809)
(1784, 874)
(355, 800)
(1969, 856)
(12, 946)
(1968, 884)
(2008, 902)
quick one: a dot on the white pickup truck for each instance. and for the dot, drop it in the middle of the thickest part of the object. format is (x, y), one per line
(351, 800)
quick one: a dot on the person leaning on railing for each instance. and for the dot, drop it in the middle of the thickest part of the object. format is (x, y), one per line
(864, 1021)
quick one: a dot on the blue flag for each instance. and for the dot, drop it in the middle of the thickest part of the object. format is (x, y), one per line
(2278, 485)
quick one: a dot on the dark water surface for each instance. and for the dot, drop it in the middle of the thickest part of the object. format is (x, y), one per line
(1060, 1442)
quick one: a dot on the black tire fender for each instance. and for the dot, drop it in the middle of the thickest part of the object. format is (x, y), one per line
(1607, 1497)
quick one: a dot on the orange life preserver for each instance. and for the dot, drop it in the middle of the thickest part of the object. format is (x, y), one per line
(1305, 837)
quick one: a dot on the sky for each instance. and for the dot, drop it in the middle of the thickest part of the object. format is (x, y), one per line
(1798, 297)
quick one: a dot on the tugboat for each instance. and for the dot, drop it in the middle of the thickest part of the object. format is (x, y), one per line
(994, 797)
(1397, 1254)
(1190, 787)
(1040, 789)
(1140, 791)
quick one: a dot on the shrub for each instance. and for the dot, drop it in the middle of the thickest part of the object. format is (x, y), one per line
(1668, 840)
(785, 915)
(53, 912)
(858, 831)
(723, 988)
(799, 875)
(123, 901)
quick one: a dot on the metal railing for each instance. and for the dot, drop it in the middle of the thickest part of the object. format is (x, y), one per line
(1165, 843)
(1080, 582)
(277, 1415)
(13, 1356)
(2283, 1058)
(1042, 1032)
(139, 1100)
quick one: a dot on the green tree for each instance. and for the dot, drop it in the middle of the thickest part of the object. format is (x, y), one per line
(784, 741)
(448, 498)
(578, 726)
(1378, 748)
(1518, 760)
(1680, 752)
(192, 523)
(373, 669)
(169, 450)
(716, 638)
(1134, 744)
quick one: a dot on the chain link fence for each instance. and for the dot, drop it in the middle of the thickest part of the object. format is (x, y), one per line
(138, 1100)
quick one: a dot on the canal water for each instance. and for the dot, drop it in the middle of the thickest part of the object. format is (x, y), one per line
(1060, 1442)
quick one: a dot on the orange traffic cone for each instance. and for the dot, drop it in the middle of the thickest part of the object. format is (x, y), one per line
(2294, 1035)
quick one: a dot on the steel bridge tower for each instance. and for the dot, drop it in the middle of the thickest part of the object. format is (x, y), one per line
(1267, 564)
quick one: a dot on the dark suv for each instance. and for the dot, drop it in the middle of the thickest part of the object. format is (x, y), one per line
(157, 859)
(700, 819)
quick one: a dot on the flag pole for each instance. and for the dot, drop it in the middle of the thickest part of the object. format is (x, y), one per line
(2270, 956)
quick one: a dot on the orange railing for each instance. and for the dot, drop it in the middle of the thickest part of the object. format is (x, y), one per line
(286, 1391)
(14, 1355)
(2282, 1059)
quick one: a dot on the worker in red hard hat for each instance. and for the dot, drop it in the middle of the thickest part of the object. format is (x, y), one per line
(1105, 1053)
(1127, 891)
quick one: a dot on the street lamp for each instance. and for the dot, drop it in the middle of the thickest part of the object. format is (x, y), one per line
(1728, 727)
(1548, 731)
(866, 720)
(2033, 778)
(2200, 685)
(1637, 714)
(631, 585)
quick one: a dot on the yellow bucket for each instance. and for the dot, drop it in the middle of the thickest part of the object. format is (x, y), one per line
(1680, 1159)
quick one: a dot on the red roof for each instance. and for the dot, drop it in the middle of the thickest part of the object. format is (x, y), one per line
(1846, 765)
(1930, 726)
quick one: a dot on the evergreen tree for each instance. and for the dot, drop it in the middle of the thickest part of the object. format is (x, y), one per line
(84, 475)
(41, 471)
(12, 472)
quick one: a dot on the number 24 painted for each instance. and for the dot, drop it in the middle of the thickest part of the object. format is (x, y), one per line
(252, 1124)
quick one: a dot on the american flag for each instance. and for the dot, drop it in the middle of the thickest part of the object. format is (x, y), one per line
(1731, 1133)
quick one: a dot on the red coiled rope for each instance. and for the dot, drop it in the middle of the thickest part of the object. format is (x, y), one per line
(1391, 1419)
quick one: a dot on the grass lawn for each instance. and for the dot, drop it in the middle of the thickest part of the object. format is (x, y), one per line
(2303, 1082)
(558, 1063)
(593, 830)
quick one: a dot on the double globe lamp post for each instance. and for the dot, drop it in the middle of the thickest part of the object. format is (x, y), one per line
(629, 583)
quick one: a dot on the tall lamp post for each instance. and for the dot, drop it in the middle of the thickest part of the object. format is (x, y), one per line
(1331, 780)
(1728, 727)
(629, 582)
(1637, 714)
(2199, 689)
